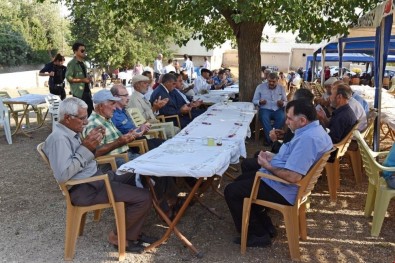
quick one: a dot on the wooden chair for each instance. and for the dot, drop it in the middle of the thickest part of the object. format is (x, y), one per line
(157, 129)
(379, 194)
(163, 118)
(333, 169)
(5, 122)
(76, 215)
(294, 216)
(354, 154)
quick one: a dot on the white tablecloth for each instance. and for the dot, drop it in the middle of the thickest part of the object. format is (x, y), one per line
(32, 99)
(184, 158)
(215, 96)
(187, 155)
(368, 93)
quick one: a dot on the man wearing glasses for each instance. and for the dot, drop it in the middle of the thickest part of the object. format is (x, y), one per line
(77, 76)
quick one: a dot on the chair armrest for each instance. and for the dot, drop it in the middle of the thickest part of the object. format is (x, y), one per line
(153, 133)
(272, 177)
(110, 159)
(141, 144)
(87, 180)
(164, 118)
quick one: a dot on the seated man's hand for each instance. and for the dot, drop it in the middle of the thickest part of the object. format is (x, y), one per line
(159, 103)
(273, 135)
(196, 103)
(145, 127)
(280, 103)
(128, 137)
(262, 102)
(185, 109)
(94, 138)
(264, 159)
(321, 115)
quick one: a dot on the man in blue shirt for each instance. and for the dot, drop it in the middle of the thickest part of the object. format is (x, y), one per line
(293, 161)
(271, 99)
(123, 121)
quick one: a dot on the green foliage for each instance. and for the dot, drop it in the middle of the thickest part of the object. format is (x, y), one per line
(30, 32)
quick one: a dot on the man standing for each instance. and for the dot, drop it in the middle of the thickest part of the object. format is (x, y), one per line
(73, 158)
(57, 73)
(291, 164)
(271, 99)
(171, 108)
(169, 68)
(188, 67)
(158, 67)
(77, 76)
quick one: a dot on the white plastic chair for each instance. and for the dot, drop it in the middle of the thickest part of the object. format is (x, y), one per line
(5, 121)
(53, 102)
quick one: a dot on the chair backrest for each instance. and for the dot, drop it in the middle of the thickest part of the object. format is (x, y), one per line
(3, 112)
(367, 134)
(342, 146)
(23, 92)
(136, 115)
(42, 154)
(4, 95)
(306, 185)
(372, 167)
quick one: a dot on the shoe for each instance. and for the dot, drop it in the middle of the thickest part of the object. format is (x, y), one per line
(133, 247)
(255, 241)
(146, 239)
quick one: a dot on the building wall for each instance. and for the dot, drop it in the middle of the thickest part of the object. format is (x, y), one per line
(299, 57)
(280, 60)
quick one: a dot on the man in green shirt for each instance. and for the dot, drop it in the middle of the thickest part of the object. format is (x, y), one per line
(77, 76)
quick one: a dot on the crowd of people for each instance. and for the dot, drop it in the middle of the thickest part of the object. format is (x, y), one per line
(90, 127)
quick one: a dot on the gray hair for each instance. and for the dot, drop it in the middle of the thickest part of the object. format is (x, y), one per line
(115, 89)
(70, 106)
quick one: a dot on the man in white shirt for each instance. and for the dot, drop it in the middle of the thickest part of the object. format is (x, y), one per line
(158, 67)
(188, 66)
(206, 64)
(169, 68)
(203, 83)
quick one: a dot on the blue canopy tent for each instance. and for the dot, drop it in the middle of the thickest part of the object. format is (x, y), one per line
(380, 46)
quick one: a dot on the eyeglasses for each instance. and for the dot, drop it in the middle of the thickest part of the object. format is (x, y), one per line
(82, 50)
(84, 118)
(123, 95)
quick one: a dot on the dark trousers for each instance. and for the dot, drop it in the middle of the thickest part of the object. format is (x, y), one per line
(87, 97)
(58, 89)
(235, 193)
(137, 200)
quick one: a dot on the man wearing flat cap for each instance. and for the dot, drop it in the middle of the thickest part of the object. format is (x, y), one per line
(113, 141)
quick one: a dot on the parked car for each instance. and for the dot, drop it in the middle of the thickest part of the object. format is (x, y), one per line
(335, 71)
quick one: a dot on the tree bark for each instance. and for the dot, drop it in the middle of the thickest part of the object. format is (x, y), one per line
(249, 36)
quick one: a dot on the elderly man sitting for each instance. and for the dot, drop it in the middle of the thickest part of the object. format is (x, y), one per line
(73, 158)
(137, 100)
(113, 141)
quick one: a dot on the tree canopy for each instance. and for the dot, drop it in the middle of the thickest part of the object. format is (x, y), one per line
(30, 32)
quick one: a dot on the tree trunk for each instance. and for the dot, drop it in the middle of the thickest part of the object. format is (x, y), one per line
(249, 38)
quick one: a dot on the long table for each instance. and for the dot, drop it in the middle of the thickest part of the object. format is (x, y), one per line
(188, 155)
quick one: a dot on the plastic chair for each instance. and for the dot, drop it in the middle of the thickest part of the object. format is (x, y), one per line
(379, 194)
(294, 216)
(15, 109)
(333, 169)
(5, 121)
(164, 129)
(53, 102)
(76, 215)
(354, 154)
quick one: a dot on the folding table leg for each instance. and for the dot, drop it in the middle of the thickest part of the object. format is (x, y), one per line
(172, 224)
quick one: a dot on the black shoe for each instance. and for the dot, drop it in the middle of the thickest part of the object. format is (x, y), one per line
(146, 239)
(133, 247)
(255, 241)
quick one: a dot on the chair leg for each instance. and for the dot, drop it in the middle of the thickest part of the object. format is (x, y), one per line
(120, 219)
(244, 224)
(72, 229)
(302, 222)
(380, 208)
(370, 199)
(356, 163)
(330, 175)
(82, 225)
(292, 232)
(97, 215)
(7, 131)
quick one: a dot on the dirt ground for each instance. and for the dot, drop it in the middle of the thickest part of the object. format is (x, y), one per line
(32, 219)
